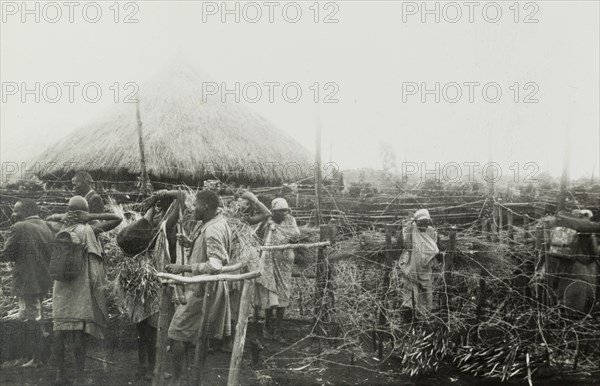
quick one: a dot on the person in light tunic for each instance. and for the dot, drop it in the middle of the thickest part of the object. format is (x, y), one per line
(420, 247)
(210, 249)
(274, 291)
(79, 305)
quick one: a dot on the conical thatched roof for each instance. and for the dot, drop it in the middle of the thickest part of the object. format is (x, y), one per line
(184, 138)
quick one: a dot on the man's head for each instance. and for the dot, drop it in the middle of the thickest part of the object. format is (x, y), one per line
(82, 183)
(422, 219)
(78, 203)
(206, 204)
(280, 209)
(24, 208)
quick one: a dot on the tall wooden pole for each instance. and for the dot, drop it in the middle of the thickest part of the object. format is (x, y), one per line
(141, 142)
(318, 174)
(489, 176)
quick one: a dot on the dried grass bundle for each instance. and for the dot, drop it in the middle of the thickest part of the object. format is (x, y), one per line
(245, 240)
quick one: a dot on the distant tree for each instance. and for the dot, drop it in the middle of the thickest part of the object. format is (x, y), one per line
(388, 157)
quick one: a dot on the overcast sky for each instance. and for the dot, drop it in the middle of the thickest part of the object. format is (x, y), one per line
(371, 55)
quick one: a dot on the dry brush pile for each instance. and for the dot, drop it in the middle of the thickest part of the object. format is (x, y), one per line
(499, 321)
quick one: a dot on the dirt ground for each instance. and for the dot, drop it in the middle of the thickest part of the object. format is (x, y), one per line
(279, 364)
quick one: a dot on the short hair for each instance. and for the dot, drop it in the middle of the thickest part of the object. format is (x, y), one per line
(209, 197)
(84, 176)
(29, 205)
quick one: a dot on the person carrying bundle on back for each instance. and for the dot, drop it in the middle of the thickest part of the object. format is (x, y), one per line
(136, 239)
(78, 299)
(415, 264)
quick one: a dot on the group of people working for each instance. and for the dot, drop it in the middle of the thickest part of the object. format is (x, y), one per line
(79, 306)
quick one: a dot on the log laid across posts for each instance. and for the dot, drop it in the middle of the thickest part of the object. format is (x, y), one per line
(448, 266)
(202, 340)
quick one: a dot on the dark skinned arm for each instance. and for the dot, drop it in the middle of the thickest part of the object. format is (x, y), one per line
(263, 212)
(180, 196)
(104, 221)
(579, 224)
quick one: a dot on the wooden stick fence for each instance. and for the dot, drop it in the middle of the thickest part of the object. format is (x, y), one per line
(166, 312)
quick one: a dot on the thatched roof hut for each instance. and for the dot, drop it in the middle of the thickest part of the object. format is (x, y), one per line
(186, 139)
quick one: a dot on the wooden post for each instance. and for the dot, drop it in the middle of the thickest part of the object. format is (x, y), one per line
(322, 275)
(330, 289)
(539, 238)
(539, 244)
(318, 175)
(240, 333)
(500, 221)
(509, 220)
(448, 265)
(480, 300)
(484, 232)
(387, 270)
(144, 176)
(164, 320)
(526, 235)
(495, 222)
(549, 275)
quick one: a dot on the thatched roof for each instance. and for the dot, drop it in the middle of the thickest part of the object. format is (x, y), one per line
(184, 138)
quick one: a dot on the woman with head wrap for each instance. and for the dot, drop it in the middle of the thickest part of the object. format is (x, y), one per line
(274, 289)
(79, 305)
(420, 247)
